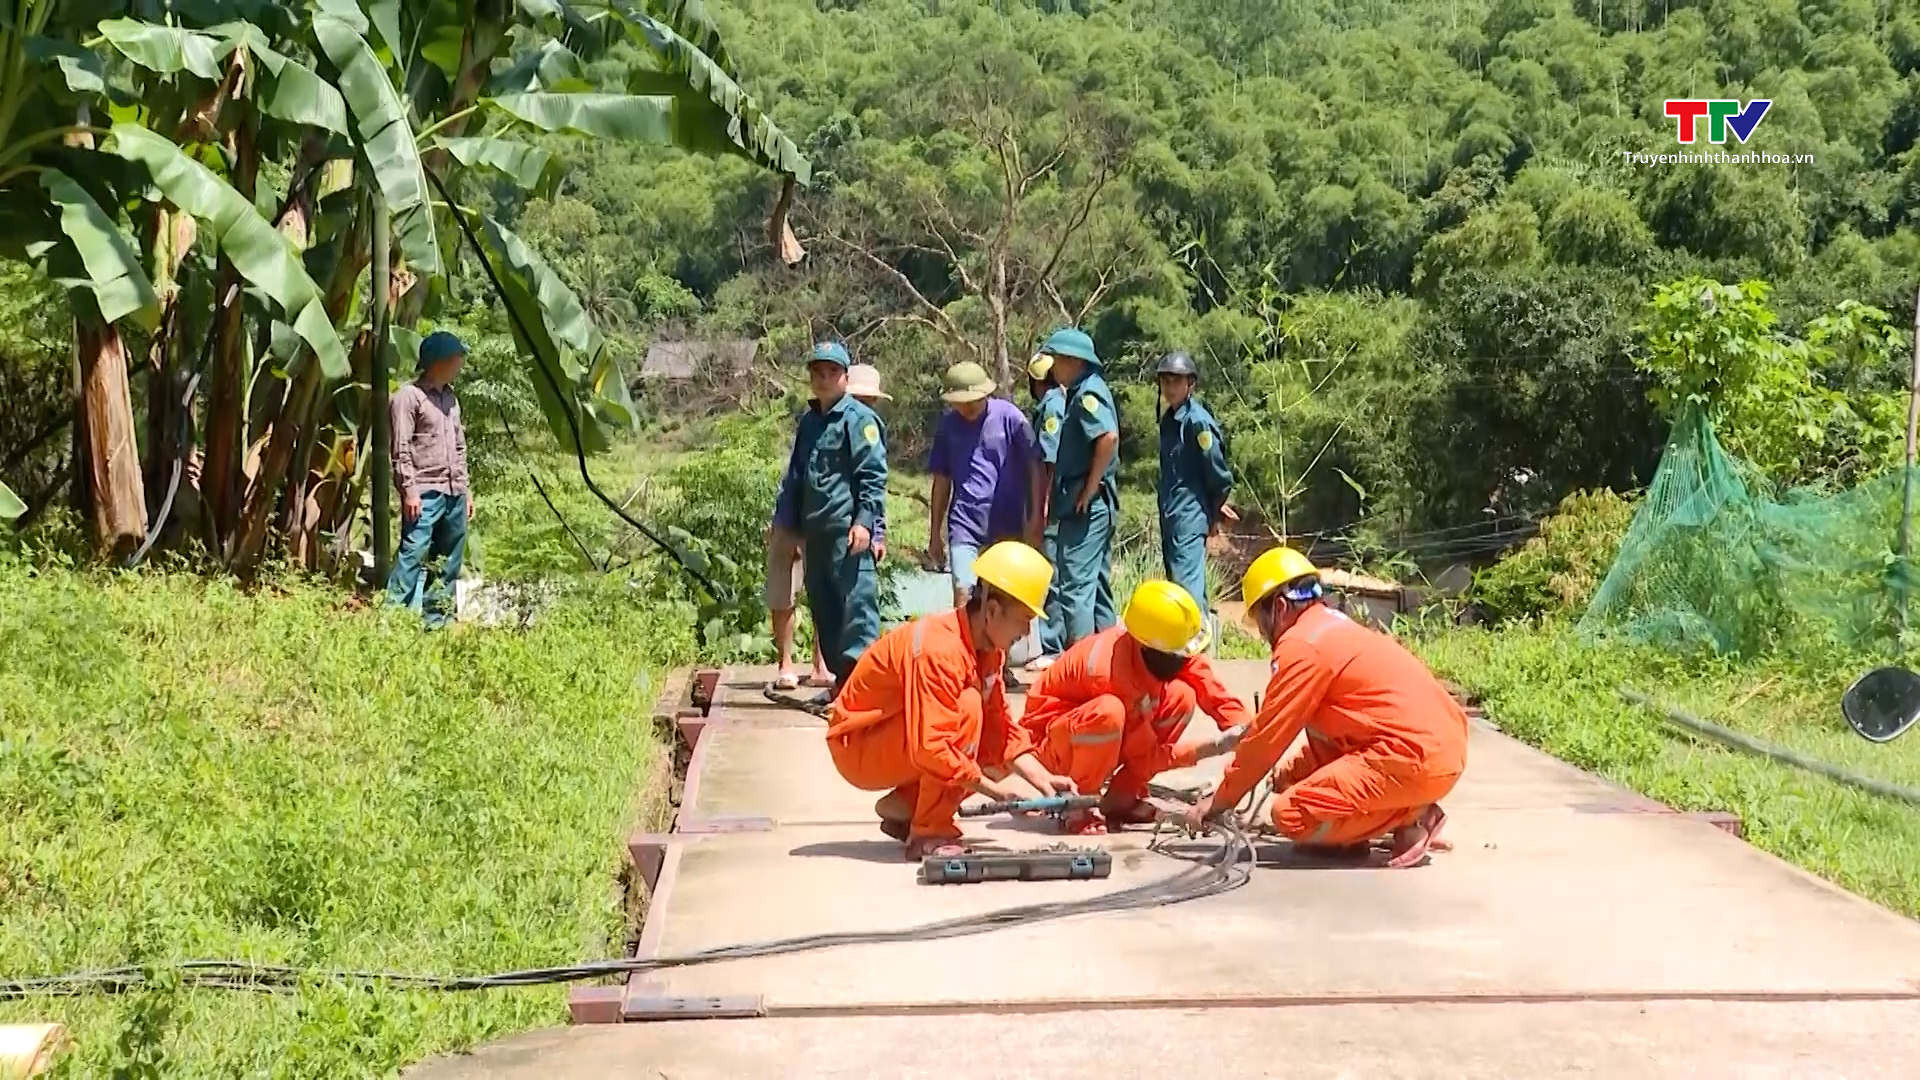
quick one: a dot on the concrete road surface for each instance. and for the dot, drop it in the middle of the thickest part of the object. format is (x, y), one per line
(1576, 929)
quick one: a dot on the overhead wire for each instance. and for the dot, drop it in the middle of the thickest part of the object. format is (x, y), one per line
(567, 405)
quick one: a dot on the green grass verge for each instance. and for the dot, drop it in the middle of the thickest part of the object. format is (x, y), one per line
(1545, 687)
(188, 771)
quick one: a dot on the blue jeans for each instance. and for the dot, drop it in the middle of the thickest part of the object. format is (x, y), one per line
(960, 558)
(439, 532)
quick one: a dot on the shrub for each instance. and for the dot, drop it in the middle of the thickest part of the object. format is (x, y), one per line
(1559, 569)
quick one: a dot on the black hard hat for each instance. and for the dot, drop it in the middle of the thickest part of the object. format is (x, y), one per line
(1177, 363)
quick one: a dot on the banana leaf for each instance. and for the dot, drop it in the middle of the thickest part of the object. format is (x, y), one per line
(712, 114)
(551, 67)
(690, 20)
(385, 137)
(114, 275)
(553, 330)
(597, 116)
(165, 50)
(257, 250)
(529, 167)
(293, 91)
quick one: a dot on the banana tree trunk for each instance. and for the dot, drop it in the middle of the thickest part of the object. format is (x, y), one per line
(295, 414)
(228, 371)
(115, 486)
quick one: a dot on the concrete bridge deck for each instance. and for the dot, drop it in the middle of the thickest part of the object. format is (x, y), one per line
(1577, 929)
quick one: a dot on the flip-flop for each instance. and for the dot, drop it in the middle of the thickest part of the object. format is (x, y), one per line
(786, 680)
(939, 847)
(1415, 853)
(821, 708)
(1040, 663)
(816, 682)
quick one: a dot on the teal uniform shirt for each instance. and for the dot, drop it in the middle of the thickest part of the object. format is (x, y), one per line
(1194, 481)
(836, 479)
(1088, 413)
(1047, 417)
(1082, 573)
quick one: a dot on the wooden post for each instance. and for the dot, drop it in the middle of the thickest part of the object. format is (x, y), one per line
(1906, 482)
(381, 466)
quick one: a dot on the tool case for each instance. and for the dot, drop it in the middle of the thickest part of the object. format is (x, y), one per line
(1069, 865)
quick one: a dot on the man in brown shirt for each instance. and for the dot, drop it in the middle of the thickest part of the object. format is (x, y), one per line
(430, 473)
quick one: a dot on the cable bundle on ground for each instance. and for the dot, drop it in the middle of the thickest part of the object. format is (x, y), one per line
(1222, 869)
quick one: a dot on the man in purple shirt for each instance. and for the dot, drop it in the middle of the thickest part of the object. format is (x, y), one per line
(985, 476)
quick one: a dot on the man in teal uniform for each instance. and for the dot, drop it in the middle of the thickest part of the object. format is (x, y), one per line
(1049, 406)
(1194, 477)
(1086, 494)
(834, 494)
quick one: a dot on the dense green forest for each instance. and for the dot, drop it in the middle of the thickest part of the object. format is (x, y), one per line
(1404, 239)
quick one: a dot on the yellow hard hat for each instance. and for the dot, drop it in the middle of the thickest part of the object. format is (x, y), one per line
(1039, 367)
(1274, 568)
(1017, 570)
(1163, 616)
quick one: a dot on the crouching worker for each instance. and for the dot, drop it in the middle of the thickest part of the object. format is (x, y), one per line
(1122, 698)
(925, 708)
(1384, 743)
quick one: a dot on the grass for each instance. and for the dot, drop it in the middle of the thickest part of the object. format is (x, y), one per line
(1547, 688)
(190, 771)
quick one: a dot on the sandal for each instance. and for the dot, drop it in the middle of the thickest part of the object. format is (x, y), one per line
(938, 847)
(1040, 663)
(816, 682)
(1411, 843)
(786, 680)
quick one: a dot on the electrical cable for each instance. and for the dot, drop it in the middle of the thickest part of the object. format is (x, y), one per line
(1224, 869)
(567, 404)
(1765, 749)
(542, 490)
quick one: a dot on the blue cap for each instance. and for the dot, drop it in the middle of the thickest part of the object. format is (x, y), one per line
(437, 346)
(1071, 341)
(833, 352)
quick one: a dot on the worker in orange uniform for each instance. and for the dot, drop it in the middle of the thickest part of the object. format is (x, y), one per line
(1122, 698)
(1385, 741)
(925, 708)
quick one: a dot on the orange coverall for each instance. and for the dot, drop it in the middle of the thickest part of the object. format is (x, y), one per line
(921, 711)
(1098, 708)
(1384, 738)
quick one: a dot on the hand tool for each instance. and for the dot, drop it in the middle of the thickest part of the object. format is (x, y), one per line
(1052, 804)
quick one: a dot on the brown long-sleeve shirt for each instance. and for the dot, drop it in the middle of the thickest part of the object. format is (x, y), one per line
(429, 441)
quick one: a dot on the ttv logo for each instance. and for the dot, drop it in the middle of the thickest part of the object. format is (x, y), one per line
(1721, 116)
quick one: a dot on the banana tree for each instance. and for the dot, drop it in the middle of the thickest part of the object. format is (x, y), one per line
(259, 279)
(55, 200)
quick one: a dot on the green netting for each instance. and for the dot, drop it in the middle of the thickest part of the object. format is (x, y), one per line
(1716, 557)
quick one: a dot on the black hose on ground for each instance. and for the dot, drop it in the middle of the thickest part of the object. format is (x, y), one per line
(1769, 750)
(1223, 869)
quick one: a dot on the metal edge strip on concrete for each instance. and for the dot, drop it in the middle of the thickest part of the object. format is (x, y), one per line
(1320, 1001)
(651, 855)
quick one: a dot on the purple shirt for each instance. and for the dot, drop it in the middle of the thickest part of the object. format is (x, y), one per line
(987, 464)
